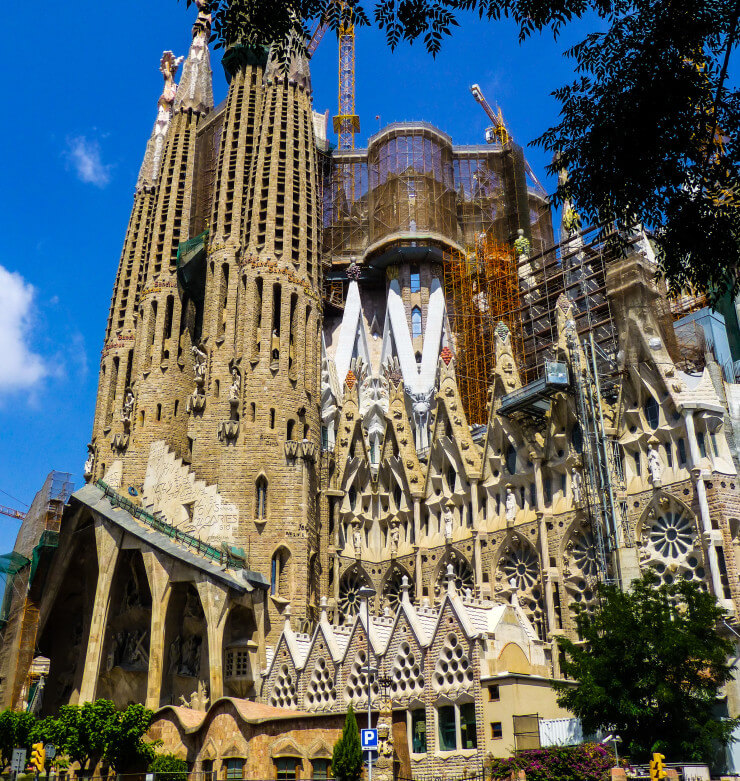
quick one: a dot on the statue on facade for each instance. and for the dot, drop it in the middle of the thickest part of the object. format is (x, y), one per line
(236, 384)
(357, 539)
(128, 408)
(576, 486)
(511, 505)
(200, 361)
(655, 466)
(447, 518)
(275, 345)
(395, 537)
(89, 463)
(421, 404)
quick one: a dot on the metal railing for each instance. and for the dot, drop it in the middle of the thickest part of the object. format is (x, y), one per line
(224, 556)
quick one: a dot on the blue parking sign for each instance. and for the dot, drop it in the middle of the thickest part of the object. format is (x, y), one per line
(369, 739)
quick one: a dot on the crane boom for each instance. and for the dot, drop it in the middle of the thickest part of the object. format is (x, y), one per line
(9, 511)
(346, 122)
(318, 34)
(499, 132)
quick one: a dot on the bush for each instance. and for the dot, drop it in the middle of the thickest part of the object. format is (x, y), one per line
(587, 762)
(168, 767)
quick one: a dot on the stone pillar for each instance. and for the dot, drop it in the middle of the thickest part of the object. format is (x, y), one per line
(107, 543)
(708, 538)
(215, 601)
(547, 575)
(417, 548)
(159, 585)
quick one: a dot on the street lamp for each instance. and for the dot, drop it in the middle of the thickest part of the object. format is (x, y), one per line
(367, 593)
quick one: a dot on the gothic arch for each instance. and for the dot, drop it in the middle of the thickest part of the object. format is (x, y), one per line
(391, 588)
(517, 572)
(464, 577)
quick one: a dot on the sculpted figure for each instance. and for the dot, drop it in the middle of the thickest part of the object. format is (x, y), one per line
(236, 384)
(357, 538)
(576, 484)
(395, 537)
(421, 403)
(655, 466)
(448, 522)
(511, 505)
(88, 470)
(128, 406)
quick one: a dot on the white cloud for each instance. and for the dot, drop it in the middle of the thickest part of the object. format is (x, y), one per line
(20, 367)
(83, 155)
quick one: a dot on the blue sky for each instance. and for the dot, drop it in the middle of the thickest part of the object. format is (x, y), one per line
(83, 91)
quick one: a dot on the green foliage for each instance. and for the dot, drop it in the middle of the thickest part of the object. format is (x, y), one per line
(168, 767)
(637, 127)
(347, 758)
(16, 731)
(650, 668)
(125, 750)
(586, 762)
(85, 734)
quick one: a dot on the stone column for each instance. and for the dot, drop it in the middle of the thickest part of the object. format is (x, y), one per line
(417, 548)
(159, 585)
(215, 601)
(107, 543)
(708, 537)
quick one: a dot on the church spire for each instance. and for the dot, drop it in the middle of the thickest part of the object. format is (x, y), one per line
(150, 167)
(196, 85)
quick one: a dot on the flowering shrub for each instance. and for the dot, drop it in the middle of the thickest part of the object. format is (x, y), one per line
(586, 762)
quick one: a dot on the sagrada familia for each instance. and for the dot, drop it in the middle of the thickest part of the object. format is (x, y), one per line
(362, 408)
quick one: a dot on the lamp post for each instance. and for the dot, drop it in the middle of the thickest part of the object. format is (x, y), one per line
(367, 593)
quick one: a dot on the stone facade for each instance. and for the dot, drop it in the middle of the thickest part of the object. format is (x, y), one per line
(284, 416)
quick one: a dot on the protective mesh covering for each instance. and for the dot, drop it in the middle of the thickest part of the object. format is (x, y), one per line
(413, 185)
(10, 565)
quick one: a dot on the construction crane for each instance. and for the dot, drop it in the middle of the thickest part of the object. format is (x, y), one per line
(499, 132)
(10, 512)
(346, 122)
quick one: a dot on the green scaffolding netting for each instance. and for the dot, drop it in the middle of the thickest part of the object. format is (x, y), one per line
(10, 565)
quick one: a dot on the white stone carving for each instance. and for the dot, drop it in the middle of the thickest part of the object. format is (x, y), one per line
(655, 465)
(235, 388)
(511, 505)
(576, 486)
(127, 410)
(448, 522)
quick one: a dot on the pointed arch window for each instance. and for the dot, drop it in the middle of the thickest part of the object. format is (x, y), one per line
(261, 499)
(280, 573)
(415, 322)
(415, 285)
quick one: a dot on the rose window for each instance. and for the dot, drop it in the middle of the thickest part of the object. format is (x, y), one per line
(671, 547)
(349, 599)
(462, 574)
(392, 591)
(521, 568)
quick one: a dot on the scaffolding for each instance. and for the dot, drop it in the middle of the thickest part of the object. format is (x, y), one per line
(481, 290)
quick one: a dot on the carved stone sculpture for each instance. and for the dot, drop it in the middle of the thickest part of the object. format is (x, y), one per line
(127, 410)
(236, 384)
(395, 537)
(511, 505)
(576, 485)
(448, 522)
(655, 465)
(421, 404)
(357, 539)
(88, 469)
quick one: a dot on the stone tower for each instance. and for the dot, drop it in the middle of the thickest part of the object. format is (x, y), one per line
(208, 409)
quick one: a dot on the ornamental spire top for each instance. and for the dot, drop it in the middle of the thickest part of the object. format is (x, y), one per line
(196, 86)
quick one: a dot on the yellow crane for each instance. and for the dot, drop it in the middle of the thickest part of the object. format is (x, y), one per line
(346, 121)
(499, 132)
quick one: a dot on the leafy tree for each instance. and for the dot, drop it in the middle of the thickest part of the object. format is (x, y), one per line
(639, 128)
(650, 669)
(125, 751)
(83, 732)
(16, 731)
(346, 761)
(168, 767)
